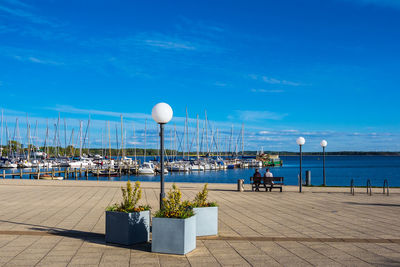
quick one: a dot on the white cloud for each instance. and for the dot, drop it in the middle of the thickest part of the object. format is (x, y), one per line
(37, 60)
(71, 109)
(267, 90)
(271, 80)
(252, 115)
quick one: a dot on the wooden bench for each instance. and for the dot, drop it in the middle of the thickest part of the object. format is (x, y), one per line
(273, 182)
(256, 182)
(266, 182)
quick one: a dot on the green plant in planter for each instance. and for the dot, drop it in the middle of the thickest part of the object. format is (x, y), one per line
(173, 207)
(201, 199)
(130, 199)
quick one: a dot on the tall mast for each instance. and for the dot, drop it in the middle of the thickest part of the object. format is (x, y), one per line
(122, 138)
(205, 112)
(65, 138)
(216, 144)
(197, 140)
(134, 140)
(145, 129)
(80, 138)
(8, 140)
(28, 136)
(102, 144)
(35, 139)
(109, 139)
(175, 145)
(187, 133)
(46, 149)
(242, 140)
(88, 132)
(116, 138)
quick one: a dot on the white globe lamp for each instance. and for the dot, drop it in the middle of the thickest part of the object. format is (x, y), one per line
(301, 141)
(324, 143)
(162, 113)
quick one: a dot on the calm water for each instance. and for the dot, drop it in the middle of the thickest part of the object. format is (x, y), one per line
(339, 171)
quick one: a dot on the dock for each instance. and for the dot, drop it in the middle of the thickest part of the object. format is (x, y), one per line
(61, 223)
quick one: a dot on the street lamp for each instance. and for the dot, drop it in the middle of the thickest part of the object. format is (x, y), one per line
(324, 144)
(300, 141)
(162, 114)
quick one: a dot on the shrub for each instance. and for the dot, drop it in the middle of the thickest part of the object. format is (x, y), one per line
(130, 199)
(201, 199)
(173, 207)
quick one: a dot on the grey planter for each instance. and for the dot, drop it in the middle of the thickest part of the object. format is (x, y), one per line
(206, 221)
(127, 228)
(173, 236)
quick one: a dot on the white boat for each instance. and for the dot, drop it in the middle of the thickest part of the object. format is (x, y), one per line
(147, 169)
(8, 165)
(196, 167)
(82, 163)
(24, 164)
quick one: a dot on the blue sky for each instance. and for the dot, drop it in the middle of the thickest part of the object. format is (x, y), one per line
(318, 69)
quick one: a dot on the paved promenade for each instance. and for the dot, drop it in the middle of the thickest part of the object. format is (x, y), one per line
(61, 223)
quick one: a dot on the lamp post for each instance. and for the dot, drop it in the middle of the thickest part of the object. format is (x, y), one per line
(324, 144)
(300, 141)
(162, 114)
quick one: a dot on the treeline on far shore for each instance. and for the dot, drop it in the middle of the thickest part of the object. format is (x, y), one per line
(17, 148)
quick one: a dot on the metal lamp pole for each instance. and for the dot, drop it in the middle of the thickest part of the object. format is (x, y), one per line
(162, 192)
(162, 114)
(323, 149)
(300, 177)
(323, 143)
(300, 141)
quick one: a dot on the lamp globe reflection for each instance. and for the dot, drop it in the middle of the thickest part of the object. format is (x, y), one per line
(162, 113)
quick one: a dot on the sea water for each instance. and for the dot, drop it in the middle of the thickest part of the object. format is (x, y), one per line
(340, 170)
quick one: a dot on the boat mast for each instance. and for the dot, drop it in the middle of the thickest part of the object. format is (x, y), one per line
(242, 140)
(134, 140)
(109, 139)
(65, 138)
(122, 137)
(205, 112)
(80, 138)
(46, 149)
(145, 132)
(197, 139)
(187, 133)
(116, 138)
(88, 132)
(28, 136)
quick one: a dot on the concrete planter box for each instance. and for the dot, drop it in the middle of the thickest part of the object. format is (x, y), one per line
(127, 228)
(173, 236)
(206, 221)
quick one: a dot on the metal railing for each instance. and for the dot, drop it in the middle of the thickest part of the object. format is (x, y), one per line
(386, 187)
(369, 187)
(352, 187)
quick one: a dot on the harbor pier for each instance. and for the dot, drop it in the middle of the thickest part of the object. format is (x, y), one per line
(60, 223)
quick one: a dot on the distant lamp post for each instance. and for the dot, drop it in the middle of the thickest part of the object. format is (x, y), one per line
(162, 114)
(300, 141)
(324, 144)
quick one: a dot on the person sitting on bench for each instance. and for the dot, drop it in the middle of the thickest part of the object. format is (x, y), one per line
(256, 180)
(269, 175)
(257, 174)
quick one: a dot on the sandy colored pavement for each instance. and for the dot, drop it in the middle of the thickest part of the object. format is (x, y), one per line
(61, 223)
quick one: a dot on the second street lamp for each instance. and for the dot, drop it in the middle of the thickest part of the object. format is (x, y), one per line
(324, 143)
(162, 114)
(300, 141)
